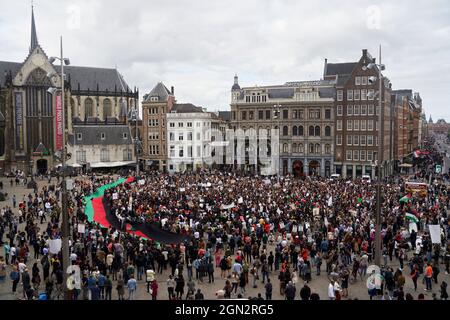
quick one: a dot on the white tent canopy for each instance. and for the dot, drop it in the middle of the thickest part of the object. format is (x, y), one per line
(111, 164)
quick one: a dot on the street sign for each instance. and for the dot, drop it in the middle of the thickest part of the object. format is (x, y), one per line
(438, 168)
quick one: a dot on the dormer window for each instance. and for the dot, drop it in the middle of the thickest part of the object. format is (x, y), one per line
(154, 99)
(103, 136)
(125, 135)
(79, 136)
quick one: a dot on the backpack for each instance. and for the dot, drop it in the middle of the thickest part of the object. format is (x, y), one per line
(14, 275)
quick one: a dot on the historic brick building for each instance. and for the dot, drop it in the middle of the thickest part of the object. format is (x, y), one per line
(28, 135)
(357, 113)
(301, 111)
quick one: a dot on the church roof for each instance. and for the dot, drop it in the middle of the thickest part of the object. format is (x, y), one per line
(34, 40)
(91, 135)
(160, 91)
(340, 68)
(87, 77)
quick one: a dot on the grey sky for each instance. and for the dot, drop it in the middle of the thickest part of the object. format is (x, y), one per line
(198, 46)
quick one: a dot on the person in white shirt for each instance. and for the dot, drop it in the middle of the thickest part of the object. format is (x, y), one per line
(331, 294)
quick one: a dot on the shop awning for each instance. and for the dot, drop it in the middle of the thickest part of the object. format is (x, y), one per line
(112, 164)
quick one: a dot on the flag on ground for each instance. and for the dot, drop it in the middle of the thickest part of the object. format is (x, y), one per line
(411, 217)
(405, 199)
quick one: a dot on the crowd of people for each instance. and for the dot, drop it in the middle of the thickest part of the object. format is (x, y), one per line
(253, 229)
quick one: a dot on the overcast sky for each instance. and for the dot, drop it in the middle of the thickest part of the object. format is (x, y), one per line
(198, 46)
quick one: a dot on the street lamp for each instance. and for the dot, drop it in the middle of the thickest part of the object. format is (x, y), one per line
(277, 116)
(372, 80)
(134, 115)
(65, 218)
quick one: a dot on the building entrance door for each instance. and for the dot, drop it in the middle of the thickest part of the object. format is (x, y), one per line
(42, 166)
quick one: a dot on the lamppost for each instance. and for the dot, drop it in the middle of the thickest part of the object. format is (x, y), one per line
(373, 79)
(134, 115)
(64, 198)
(277, 116)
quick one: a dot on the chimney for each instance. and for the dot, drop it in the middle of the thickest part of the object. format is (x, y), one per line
(325, 68)
(364, 52)
(172, 90)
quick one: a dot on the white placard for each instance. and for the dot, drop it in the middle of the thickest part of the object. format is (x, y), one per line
(316, 212)
(115, 196)
(240, 200)
(55, 246)
(182, 189)
(81, 228)
(435, 233)
(141, 182)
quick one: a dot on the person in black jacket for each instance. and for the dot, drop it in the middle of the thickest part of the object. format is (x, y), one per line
(305, 292)
(210, 269)
(199, 295)
(290, 291)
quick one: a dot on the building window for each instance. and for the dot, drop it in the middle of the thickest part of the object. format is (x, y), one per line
(318, 151)
(327, 114)
(339, 125)
(369, 155)
(364, 94)
(294, 148)
(363, 110)
(356, 125)
(364, 81)
(285, 148)
(285, 131)
(171, 124)
(103, 136)
(261, 115)
(81, 156)
(371, 94)
(171, 136)
(349, 155)
(89, 108)
(294, 131)
(189, 124)
(301, 148)
(370, 125)
(356, 140)
(362, 155)
(362, 140)
(377, 110)
(350, 95)
(244, 115)
(106, 108)
(127, 154)
(339, 110)
(153, 122)
(328, 149)
(79, 136)
(355, 155)
(349, 140)
(340, 95)
(339, 140)
(301, 131)
(363, 125)
(317, 131)
(172, 151)
(356, 110)
(350, 110)
(301, 114)
(180, 136)
(370, 110)
(104, 155)
(285, 114)
(267, 114)
(311, 148)
(358, 81)
(356, 95)
(349, 125)
(370, 141)
(181, 152)
(327, 131)
(189, 136)
(311, 131)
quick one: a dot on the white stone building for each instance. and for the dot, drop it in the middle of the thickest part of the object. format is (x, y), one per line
(188, 138)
